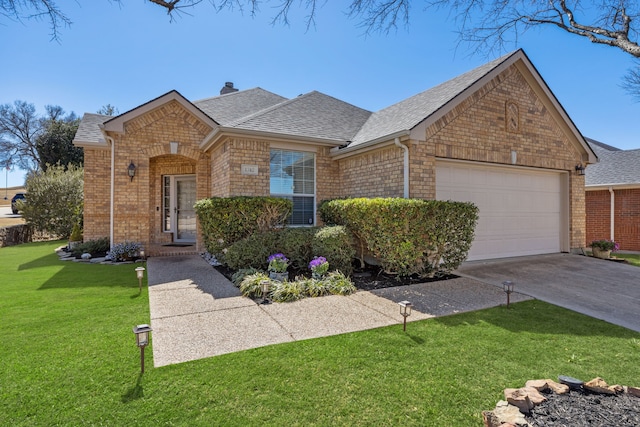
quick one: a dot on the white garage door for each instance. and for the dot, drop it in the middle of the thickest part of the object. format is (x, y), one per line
(520, 209)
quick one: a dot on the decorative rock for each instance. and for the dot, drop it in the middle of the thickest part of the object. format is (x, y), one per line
(524, 398)
(504, 415)
(97, 260)
(598, 385)
(85, 256)
(573, 383)
(544, 385)
(634, 391)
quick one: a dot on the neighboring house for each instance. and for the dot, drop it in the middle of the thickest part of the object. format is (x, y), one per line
(613, 196)
(495, 136)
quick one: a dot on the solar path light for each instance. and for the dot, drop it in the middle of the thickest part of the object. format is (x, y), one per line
(142, 340)
(140, 276)
(507, 286)
(264, 286)
(405, 311)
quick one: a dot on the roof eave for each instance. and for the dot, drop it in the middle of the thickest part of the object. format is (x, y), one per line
(616, 186)
(116, 124)
(339, 153)
(221, 132)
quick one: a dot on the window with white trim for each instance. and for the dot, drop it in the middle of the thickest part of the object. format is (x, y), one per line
(293, 177)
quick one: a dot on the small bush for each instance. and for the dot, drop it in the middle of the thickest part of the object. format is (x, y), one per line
(124, 251)
(226, 220)
(335, 243)
(296, 244)
(408, 236)
(317, 288)
(239, 275)
(93, 247)
(250, 285)
(252, 252)
(339, 284)
(288, 291)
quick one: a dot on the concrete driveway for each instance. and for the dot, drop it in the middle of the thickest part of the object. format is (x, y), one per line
(602, 289)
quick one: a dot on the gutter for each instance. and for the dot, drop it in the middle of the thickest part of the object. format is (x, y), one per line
(405, 173)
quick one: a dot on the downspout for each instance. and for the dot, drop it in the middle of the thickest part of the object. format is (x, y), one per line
(612, 213)
(405, 174)
(112, 192)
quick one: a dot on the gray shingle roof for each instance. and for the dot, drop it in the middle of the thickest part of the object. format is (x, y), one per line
(89, 128)
(614, 167)
(229, 108)
(407, 114)
(313, 115)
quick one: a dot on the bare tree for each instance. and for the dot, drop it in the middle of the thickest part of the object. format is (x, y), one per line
(30, 141)
(19, 130)
(488, 25)
(108, 110)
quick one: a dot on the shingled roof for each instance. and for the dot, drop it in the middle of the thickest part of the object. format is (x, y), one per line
(231, 107)
(407, 114)
(313, 115)
(615, 168)
(89, 129)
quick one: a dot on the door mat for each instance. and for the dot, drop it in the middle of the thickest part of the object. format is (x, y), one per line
(179, 245)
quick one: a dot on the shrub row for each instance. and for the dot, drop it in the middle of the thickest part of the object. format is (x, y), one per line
(300, 245)
(408, 236)
(226, 220)
(334, 283)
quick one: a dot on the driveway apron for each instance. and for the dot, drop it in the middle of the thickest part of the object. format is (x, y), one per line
(599, 288)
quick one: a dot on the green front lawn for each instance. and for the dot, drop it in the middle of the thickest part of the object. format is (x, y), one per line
(68, 357)
(633, 259)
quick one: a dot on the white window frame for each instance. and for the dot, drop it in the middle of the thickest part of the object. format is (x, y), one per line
(291, 195)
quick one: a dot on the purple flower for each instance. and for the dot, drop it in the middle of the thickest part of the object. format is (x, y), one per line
(317, 262)
(279, 256)
(278, 263)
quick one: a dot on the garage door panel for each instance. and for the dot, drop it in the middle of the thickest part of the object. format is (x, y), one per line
(519, 209)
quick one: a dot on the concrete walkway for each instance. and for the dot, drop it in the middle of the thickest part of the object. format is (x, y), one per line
(599, 288)
(196, 312)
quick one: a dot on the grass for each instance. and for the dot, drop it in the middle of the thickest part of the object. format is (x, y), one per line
(69, 358)
(633, 259)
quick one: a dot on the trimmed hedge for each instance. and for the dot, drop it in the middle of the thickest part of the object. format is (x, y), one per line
(300, 245)
(408, 236)
(226, 220)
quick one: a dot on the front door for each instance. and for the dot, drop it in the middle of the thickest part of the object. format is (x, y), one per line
(185, 214)
(179, 215)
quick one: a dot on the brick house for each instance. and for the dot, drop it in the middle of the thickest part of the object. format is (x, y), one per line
(613, 196)
(496, 136)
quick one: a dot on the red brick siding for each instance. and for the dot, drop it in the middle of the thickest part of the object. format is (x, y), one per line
(626, 217)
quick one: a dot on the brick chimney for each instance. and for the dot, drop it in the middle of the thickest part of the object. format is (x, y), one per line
(228, 88)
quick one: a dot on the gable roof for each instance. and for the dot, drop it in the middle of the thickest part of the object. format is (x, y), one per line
(231, 107)
(414, 114)
(617, 168)
(407, 114)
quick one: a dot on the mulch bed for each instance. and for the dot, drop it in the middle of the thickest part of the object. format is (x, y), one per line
(368, 279)
(580, 408)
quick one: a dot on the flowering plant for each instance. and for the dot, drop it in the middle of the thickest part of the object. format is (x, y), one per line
(319, 266)
(605, 245)
(278, 263)
(122, 251)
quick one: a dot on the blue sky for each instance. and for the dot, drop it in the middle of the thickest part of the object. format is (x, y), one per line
(126, 55)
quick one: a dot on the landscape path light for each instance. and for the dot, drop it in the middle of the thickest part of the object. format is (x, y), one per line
(507, 286)
(264, 286)
(405, 311)
(142, 340)
(140, 276)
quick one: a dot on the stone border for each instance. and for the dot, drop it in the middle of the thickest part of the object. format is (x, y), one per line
(519, 401)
